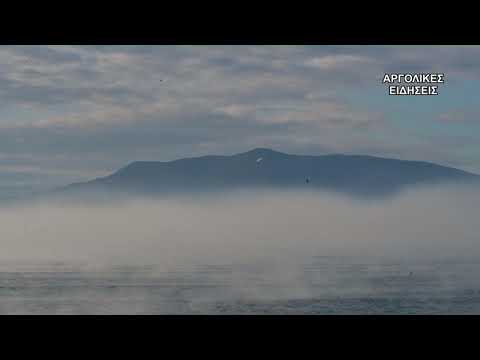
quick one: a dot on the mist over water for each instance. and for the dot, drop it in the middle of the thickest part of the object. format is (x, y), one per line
(242, 252)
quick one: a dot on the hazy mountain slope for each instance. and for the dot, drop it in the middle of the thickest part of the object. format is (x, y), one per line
(353, 174)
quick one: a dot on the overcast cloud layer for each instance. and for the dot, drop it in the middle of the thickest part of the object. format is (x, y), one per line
(70, 113)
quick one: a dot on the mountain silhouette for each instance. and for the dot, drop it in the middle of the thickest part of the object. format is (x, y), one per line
(266, 168)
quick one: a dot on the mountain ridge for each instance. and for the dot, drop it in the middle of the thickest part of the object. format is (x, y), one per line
(264, 167)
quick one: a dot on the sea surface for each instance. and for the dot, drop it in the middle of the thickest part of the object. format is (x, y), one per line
(321, 285)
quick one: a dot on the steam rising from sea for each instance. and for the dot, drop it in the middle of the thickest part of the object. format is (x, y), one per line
(217, 253)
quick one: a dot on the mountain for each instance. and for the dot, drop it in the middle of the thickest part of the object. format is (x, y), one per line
(266, 168)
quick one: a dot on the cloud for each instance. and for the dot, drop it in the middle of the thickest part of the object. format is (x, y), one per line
(460, 116)
(118, 103)
(335, 62)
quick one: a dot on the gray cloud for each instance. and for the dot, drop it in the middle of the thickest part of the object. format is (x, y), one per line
(108, 105)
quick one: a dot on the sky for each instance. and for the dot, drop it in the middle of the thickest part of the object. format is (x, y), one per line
(72, 113)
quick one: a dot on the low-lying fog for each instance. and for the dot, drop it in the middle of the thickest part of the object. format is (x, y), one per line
(244, 252)
(440, 222)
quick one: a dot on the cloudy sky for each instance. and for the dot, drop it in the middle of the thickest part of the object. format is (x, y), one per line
(70, 113)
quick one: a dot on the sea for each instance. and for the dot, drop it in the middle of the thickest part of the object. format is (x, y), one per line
(318, 286)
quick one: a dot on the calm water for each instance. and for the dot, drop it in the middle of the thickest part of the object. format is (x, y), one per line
(319, 286)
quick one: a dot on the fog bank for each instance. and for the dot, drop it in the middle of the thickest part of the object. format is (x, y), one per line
(243, 227)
